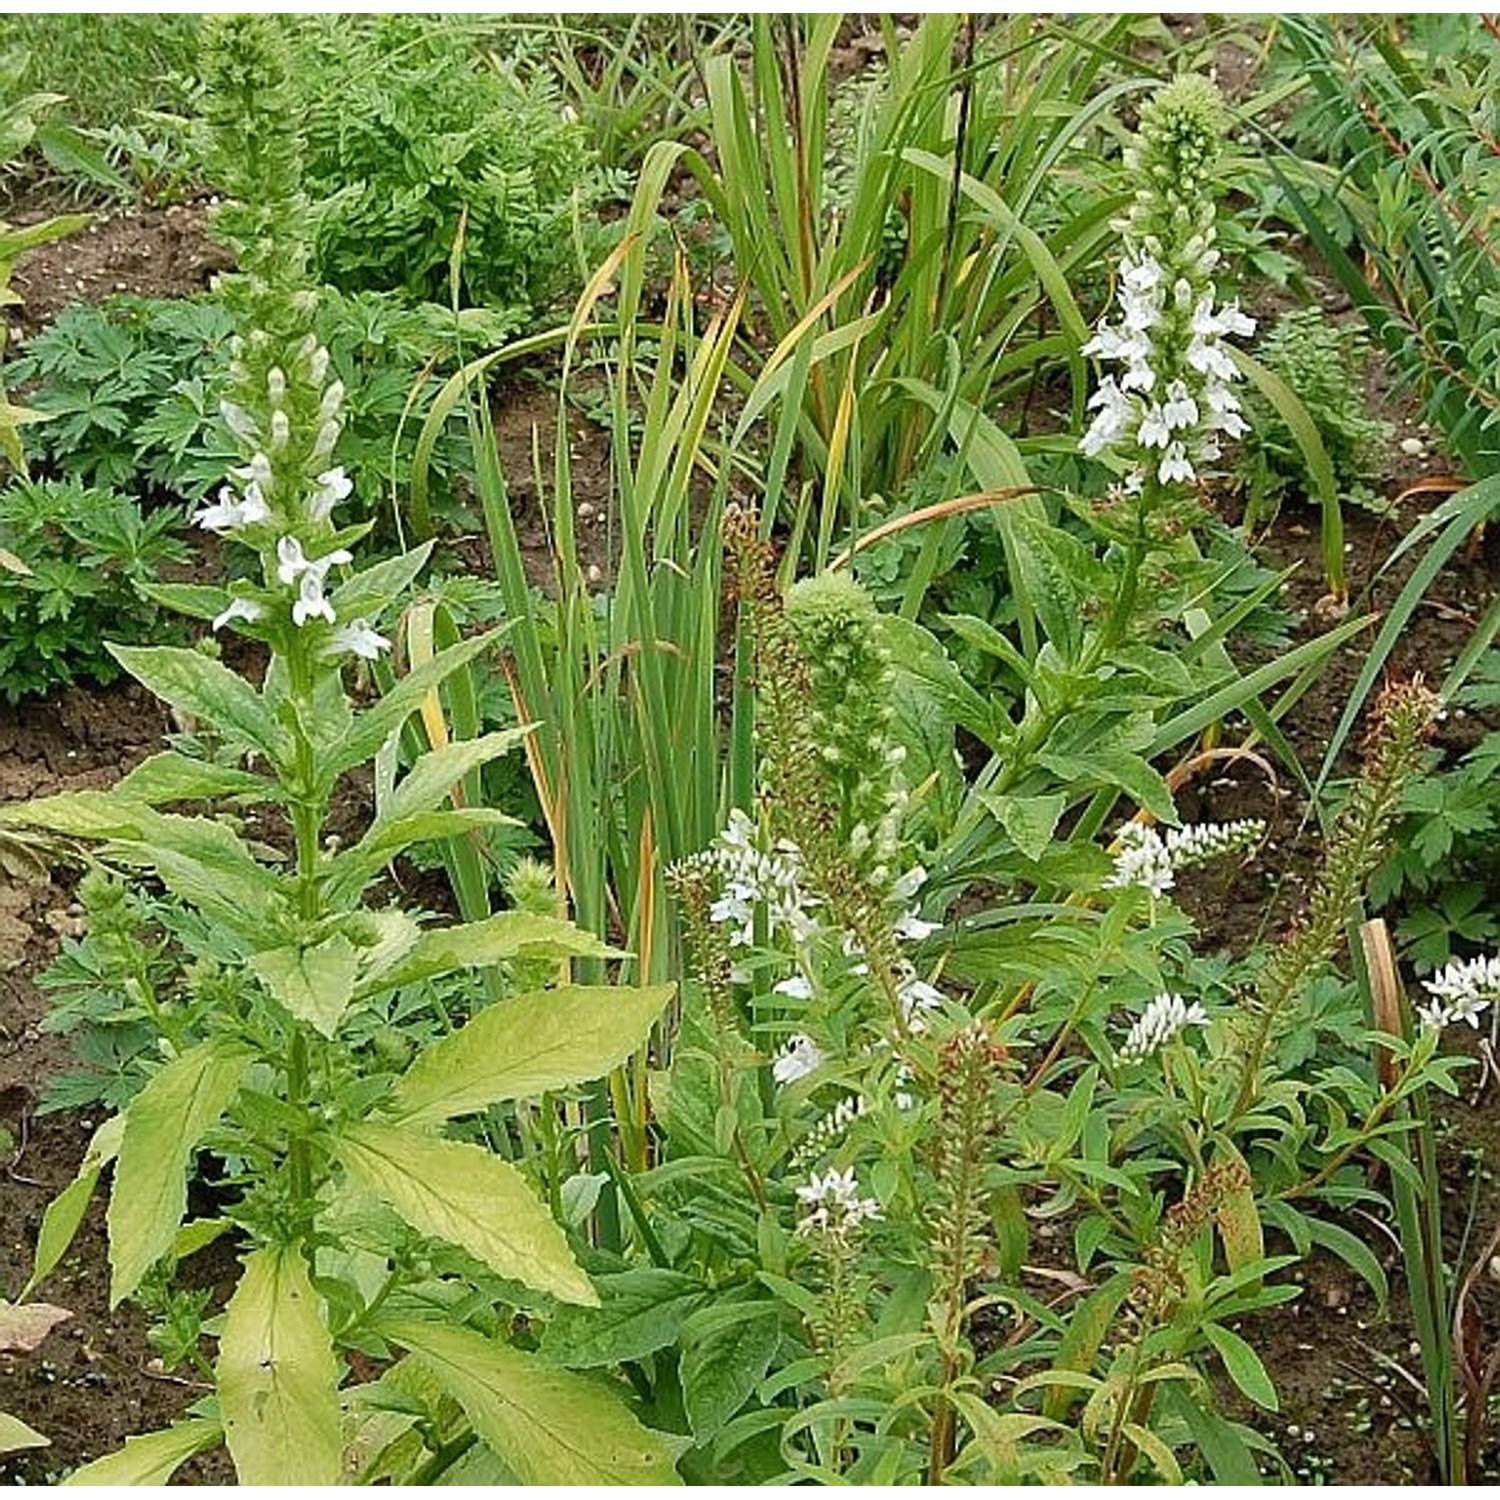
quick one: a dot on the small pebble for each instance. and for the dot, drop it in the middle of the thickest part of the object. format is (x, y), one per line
(1413, 447)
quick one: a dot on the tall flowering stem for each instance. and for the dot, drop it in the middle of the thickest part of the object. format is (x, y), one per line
(1403, 719)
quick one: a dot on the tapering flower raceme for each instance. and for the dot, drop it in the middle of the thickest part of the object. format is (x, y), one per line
(1165, 410)
(1463, 991)
(1151, 860)
(834, 1205)
(1162, 1019)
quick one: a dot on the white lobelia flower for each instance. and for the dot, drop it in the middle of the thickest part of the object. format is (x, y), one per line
(798, 987)
(356, 637)
(239, 609)
(333, 486)
(310, 603)
(257, 471)
(800, 1058)
(1149, 860)
(230, 513)
(1175, 466)
(1161, 1020)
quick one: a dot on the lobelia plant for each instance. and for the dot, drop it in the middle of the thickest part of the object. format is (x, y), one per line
(371, 1224)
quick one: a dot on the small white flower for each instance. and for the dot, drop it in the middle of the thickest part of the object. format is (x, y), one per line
(291, 562)
(276, 385)
(917, 997)
(1175, 465)
(1463, 991)
(333, 400)
(281, 430)
(800, 1058)
(1161, 1020)
(358, 638)
(333, 486)
(310, 603)
(834, 1204)
(1142, 861)
(231, 513)
(911, 928)
(1155, 430)
(257, 471)
(1179, 410)
(239, 609)
(1210, 359)
(798, 987)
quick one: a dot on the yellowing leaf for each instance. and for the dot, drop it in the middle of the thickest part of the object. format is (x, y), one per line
(150, 1459)
(462, 1194)
(527, 1046)
(277, 1377)
(314, 984)
(163, 1125)
(550, 1426)
(15, 1434)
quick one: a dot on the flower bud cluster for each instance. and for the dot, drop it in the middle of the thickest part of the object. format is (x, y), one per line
(1167, 408)
(1461, 992)
(1151, 860)
(1161, 1020)
(283, 408)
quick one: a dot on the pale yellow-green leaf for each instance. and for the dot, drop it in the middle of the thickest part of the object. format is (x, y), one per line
(15, 1434)
(65, 1213)
(314, 984)
(277, 1376)
(163, 1125)
(84, 815)
(473, 945)
(524, 1047)
(460, 1193)
(550, 1426)
(151, 1458)
(434, 775)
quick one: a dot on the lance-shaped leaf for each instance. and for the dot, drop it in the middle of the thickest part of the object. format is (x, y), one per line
(348, 873)
(65, 1212)
(372, 590)
(81, 815)
(550, 1426)
(314, 984)
(208, 690)
(435, 774)
(497, 939)
(174, 777)
(277, 1377)
(152, 1458)
(377, 724)
(463, 1194)
(524, 1047)
(163, 1125)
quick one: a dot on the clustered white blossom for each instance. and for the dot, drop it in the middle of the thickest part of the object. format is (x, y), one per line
(1169, 407)
(834, 1205)
(1151, 860)
(1168, 404)
(1161, 1020)
(1461, 992)
(752, 877)
(276, 496)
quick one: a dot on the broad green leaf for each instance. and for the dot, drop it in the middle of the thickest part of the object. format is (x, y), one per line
(1086, 1332)
(314, 984)
(434, 775)
(81, 815)
(163, 1125)
(1243, 1365)
(476, 945)
(1029, 821)
(461, 1193)
(208, 690)
(1054, 568)
(151, 1458)
(639, 1312)
(552, 1427)
(377, 724)
(1353, 1252)
(173, 777)
(368, 592)
(726, 1352)
(527, 1046)
(348, 873)
(15, 1434)
(195, 600)
(65, 1213)
(1221, 1442)
(277, 1377)
(1117, 768)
